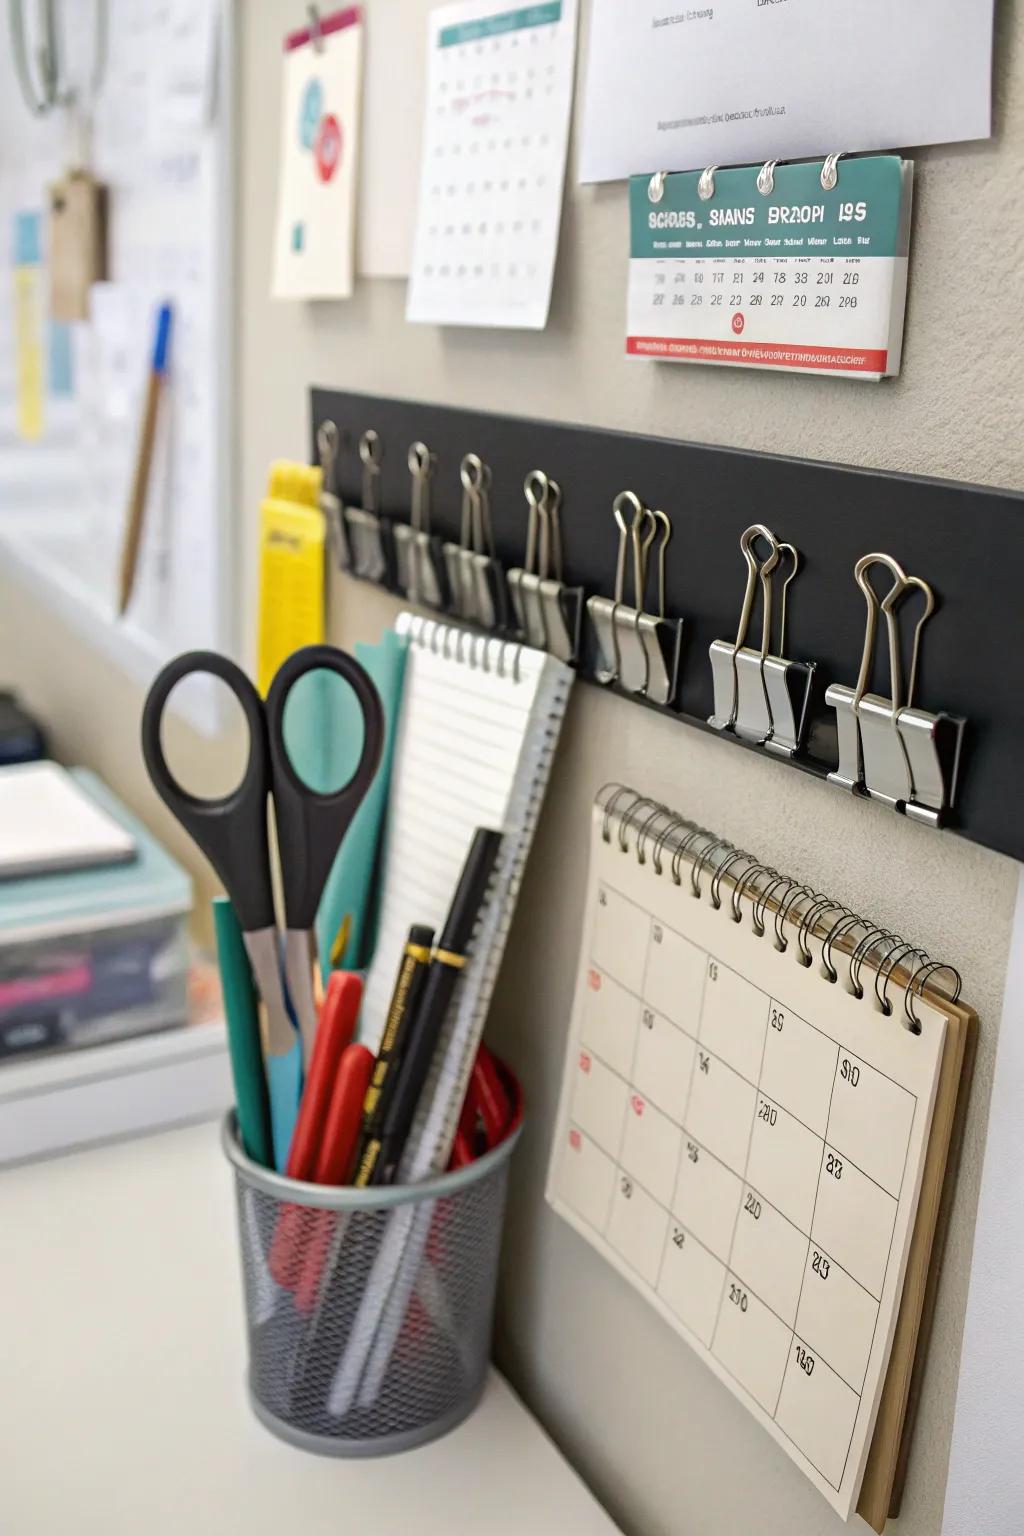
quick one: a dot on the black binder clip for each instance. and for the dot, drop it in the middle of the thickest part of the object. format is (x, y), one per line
(328, 440)
(420, 569)
(364, 526)
(759, 694)
(639, 651)
(475, 577)
(905, 757)
(547, 612)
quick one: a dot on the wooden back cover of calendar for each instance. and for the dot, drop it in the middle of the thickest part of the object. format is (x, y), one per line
(885, 1473)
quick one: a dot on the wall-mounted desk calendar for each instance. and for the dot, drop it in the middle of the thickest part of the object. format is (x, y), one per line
(496, 129)
(758, 1152)
(773, 270)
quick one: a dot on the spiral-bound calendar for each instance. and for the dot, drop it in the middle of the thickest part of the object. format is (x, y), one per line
(758, 1103)
(800, 267)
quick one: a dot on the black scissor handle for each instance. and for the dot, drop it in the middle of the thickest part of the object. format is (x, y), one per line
(310, 824)
(231, 830)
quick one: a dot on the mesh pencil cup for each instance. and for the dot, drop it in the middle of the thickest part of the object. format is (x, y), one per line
(369, 1311)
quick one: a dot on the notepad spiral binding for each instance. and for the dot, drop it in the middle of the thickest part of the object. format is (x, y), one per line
(668, 840)
(455, 643)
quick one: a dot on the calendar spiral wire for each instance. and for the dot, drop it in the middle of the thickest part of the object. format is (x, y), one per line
(670, 840)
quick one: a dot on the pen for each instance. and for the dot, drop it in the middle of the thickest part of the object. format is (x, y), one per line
(412, 974)
(144, 458)
(449, 958)
(337, 1152)
(333, 1035)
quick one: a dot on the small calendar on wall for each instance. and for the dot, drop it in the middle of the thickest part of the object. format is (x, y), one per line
(499, 91)
(799, 267)
(744, 1142)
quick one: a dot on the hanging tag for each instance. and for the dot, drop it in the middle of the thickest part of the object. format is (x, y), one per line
(77, 244)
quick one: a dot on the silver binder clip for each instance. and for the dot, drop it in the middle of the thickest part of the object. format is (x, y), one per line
(328, 440)
(475, 577)
(639, 651)
(547, 612)
(759, 694)
(905, 757)
(419, 571)
(363, 524)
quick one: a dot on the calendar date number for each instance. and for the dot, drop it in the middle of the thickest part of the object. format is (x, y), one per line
(804, 1359)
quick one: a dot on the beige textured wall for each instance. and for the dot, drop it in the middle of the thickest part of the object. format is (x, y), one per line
(660, 1441)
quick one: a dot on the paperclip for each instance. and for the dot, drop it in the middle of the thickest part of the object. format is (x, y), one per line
(638, 650)
(524, 581)
(741, 704)
(419, 571)
(475, 577)
(327, 442)
(873, 758)
(659, 641)
(904, 756)
(759, 694)
(369, 558)
(603, 611)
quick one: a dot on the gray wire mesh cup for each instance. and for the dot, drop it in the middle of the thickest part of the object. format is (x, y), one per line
(369, 1311)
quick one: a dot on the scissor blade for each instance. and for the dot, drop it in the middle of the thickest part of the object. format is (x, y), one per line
(283, 1062)
(299, 960)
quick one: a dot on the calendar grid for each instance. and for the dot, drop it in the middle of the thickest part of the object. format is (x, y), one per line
(746, 1168)
(664, 1207)
(746, 1145)
(682, 1126)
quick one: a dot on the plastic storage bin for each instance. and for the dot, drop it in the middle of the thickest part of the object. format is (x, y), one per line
(369, 1312)
(94, 954)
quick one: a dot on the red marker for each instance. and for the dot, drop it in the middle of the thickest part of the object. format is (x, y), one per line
(334, 1166)
(334, 1032)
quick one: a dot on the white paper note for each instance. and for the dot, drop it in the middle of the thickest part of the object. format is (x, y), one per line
(315, 238)
(499, 91)
(676, 88)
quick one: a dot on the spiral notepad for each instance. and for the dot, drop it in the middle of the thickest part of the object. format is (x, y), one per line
(478, 731)
(758, 1104)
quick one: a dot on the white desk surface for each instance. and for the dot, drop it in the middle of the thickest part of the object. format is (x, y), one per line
(123, 1409)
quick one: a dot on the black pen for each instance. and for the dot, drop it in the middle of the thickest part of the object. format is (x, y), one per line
(448, 960)
(405, 999)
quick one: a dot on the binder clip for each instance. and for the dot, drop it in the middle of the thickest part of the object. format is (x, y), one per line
(327, 442)
(419, 569)
(639, 651)
(905, 757)
(363, 524)
(547, 612)
(475, 578)
(759, 694)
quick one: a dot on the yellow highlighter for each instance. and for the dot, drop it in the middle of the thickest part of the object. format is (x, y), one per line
(292, 530)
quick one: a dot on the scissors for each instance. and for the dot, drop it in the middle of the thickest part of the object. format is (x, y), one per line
(231, 830)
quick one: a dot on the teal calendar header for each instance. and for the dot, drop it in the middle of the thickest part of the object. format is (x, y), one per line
(867, 213)
(507, 21)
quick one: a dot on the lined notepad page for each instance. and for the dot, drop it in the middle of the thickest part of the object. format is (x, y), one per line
(478, 727)
(745, 1143)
